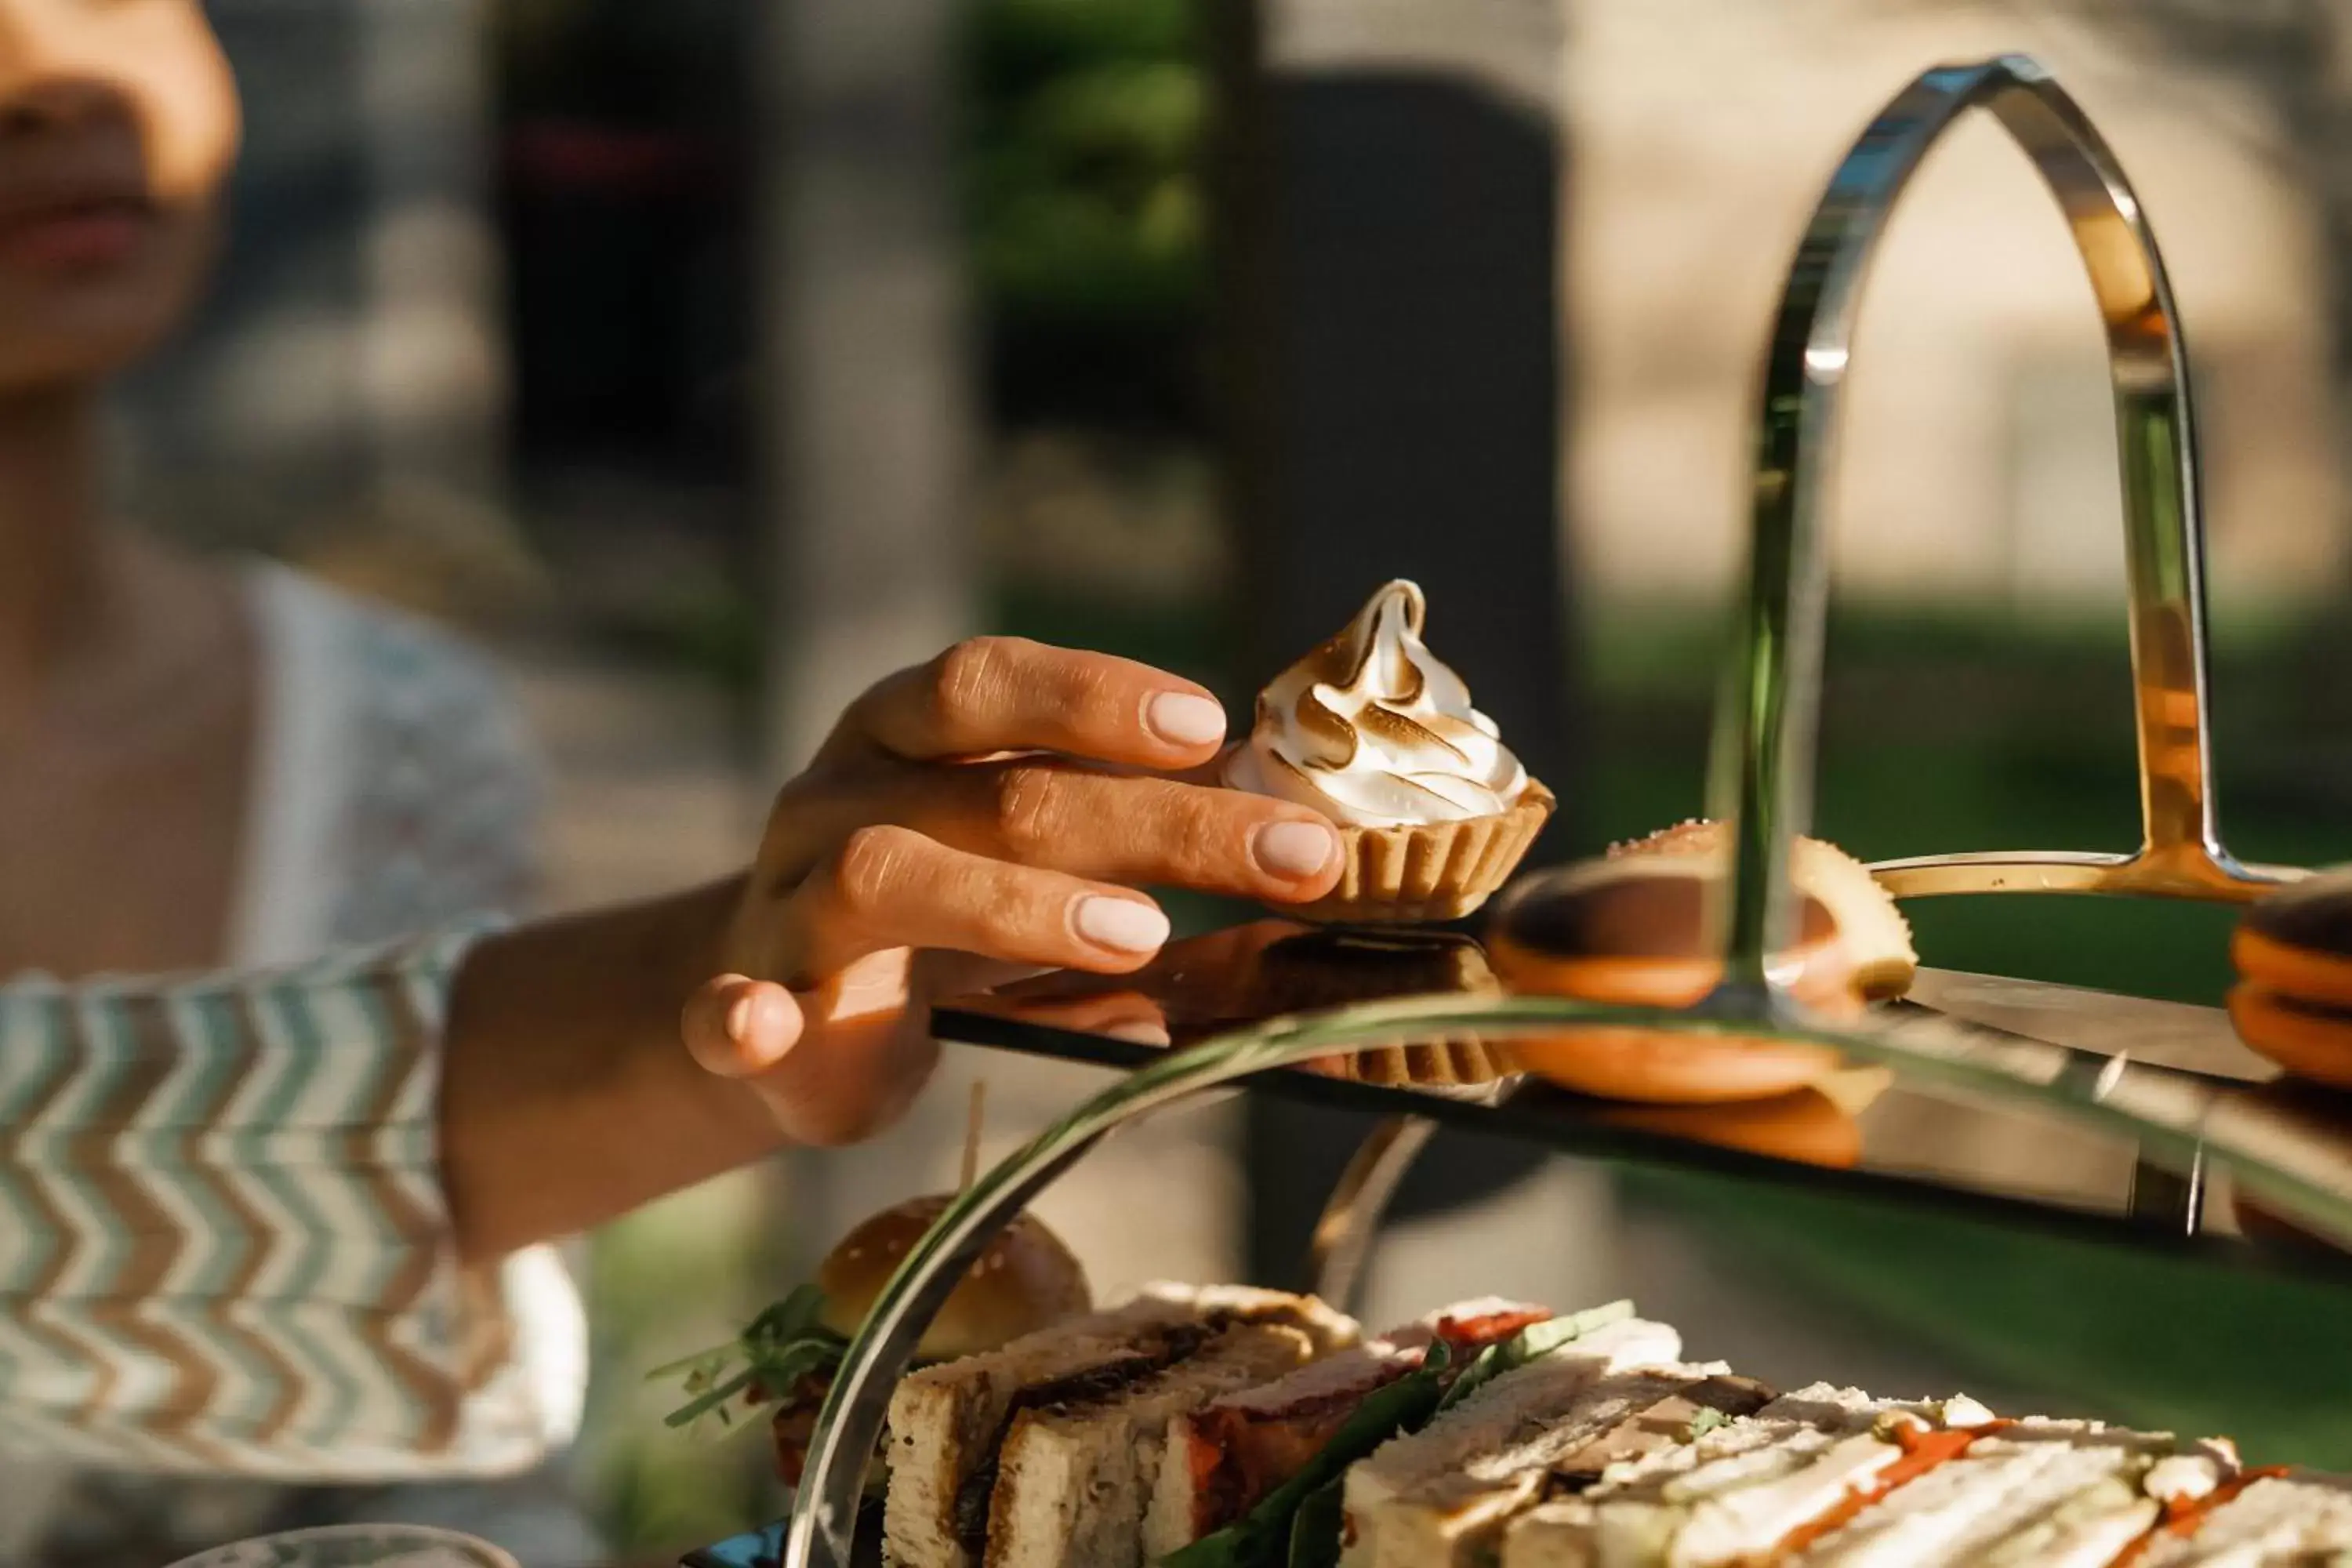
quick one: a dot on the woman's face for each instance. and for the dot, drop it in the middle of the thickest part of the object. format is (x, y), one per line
(118, 124)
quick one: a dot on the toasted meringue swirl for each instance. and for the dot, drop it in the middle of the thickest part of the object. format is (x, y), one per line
(1373, 732)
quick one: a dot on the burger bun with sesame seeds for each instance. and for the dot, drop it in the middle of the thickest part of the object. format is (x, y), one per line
(1874, 937)
(1025, 1281)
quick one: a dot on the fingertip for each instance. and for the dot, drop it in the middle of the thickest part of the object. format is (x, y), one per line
(764, 1022)
(741, 1005)
(1128, 928)
(736, 1025)
(1189, 722)
(1303, 850)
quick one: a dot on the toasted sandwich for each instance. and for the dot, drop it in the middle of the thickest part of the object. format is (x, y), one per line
(1031, 1454)
(2258, 1519)
(1222, 1461)
(1442, 1494)
(1829, 1475)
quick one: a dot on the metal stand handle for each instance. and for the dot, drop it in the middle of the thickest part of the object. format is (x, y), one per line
(1343, 1236)
(1766, 737)
(1767, 741)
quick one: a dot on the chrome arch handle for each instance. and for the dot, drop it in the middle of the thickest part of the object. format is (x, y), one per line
(1767, 733)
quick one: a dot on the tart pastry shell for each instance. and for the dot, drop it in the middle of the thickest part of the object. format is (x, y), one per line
(1430, 870)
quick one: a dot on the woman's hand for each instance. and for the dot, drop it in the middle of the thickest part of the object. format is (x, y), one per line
(1001, 802)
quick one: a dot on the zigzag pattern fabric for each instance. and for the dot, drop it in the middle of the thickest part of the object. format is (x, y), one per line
(223, 1243)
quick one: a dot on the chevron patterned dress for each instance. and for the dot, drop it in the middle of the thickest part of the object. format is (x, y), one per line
(225, 1249)
(226, 1301)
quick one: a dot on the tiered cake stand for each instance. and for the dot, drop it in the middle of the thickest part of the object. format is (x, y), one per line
(2170, 1086)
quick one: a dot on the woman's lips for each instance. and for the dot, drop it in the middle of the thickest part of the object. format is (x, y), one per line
(73, 236)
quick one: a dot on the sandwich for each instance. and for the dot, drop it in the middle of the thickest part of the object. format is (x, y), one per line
(1045, 1451)
(1221, 1461)
(1757, 1489)
(1833, 1476)
(1400, 1446)
(2258, 1519)
(1227, 1427)
(783, 1364)
(1443, 1495)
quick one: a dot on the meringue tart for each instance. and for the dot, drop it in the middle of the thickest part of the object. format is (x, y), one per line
(1434, 812)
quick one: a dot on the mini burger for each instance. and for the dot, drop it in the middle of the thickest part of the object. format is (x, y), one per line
(1635, 930)
(1808, 1126)
(1874, 940)
(783, 1364)
(2293, 1002)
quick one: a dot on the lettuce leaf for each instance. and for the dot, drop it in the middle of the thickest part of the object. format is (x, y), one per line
(1315, 1530)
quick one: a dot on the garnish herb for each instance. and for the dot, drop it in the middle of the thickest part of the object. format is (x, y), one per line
(780, 1346)
(1706, 1421)
(1315, 1533)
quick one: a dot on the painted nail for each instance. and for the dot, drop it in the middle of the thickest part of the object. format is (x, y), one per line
(1124, 925)
(739, 1016)
(1295, 849)
(1181, 719)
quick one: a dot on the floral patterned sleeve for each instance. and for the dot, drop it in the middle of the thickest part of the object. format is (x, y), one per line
(225, 1246)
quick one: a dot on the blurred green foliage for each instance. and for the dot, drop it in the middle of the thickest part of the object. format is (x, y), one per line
(1082, 191)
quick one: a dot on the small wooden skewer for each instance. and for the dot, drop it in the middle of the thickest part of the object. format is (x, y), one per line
(972, 1135)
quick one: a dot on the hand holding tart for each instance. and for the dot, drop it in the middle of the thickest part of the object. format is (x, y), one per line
(1372, 731)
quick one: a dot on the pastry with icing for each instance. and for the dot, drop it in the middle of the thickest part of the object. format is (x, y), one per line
(1375, 731)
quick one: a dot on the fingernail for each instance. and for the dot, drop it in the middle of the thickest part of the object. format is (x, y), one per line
(1126, 925)
(1181, 719)
(1295, 848)
(739, 1016)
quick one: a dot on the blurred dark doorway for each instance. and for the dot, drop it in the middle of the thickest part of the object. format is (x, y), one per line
(1393, 339)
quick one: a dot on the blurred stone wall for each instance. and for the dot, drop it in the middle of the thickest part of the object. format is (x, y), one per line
(345, 380)
(1977, 461)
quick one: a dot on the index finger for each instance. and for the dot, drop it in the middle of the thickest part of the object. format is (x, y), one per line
(1008, 694)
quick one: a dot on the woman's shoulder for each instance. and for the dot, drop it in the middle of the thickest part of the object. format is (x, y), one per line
(395, 661)
(420, 746)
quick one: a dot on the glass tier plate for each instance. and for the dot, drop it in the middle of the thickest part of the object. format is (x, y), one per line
(2111, 1118)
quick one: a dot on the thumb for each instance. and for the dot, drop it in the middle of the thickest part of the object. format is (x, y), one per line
(735, 1026)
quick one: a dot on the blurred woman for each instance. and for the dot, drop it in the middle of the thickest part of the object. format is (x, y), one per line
(252, 1209)
(279, 1227)
(201, 763)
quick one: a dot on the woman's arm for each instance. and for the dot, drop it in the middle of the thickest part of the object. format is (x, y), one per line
(259, 1208)
(1001, 802)
(566, 1098)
